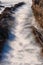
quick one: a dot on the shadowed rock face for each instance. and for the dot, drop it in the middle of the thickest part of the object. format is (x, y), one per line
(4, 29)
(37, 7)
(3, 34)
(4, 25)
(36, 2)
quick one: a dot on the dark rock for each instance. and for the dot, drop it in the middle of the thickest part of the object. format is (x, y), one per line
(36, 2)
(4, 30)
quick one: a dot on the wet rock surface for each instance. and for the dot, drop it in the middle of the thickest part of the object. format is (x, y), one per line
(37, 6)
(4, 31)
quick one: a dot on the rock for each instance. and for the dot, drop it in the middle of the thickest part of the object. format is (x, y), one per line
(37, 7)
(4, 30)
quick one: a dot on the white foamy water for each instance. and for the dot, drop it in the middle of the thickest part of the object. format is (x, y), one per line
(22, 50)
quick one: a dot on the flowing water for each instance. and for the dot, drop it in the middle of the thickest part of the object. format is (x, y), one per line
(21, 47)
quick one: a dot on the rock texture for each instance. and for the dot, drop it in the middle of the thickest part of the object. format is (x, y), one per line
(4, 30)
(37, 7)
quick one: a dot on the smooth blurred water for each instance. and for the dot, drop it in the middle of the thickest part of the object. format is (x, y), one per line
(21, 47)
